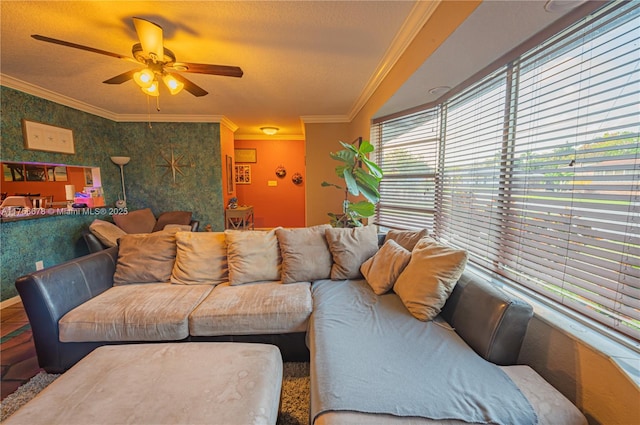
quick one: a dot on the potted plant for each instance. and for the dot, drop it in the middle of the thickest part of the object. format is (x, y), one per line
(362, 178)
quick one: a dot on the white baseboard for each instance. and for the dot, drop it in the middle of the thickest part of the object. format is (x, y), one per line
(10, 302)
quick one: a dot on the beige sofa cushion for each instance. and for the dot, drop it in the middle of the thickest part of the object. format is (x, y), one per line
(253, 309)
(305, 254)
(201, 258)
(382, 270)
(139, 221)
(350, 247)
(145, 258)
(149, 312)
(427, 281)
(107, 233)
(406, 238)
(253, 256)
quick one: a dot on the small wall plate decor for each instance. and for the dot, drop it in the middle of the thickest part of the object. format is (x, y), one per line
(297, 179)
(43, 137)
(281, 171)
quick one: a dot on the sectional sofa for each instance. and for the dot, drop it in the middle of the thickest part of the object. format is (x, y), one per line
(396, 330)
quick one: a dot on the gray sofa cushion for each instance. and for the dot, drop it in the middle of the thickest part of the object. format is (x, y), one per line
(256, 308)
(146, 312)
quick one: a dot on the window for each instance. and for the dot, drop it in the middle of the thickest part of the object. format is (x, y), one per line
(538, 170)
(408, 161)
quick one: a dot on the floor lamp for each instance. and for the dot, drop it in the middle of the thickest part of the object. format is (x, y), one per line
(121, 161)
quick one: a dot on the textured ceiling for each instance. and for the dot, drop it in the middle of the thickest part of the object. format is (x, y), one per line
(310, 59)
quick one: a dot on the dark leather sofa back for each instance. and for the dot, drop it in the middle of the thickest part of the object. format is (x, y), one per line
(94, 244)
(49, 294)
(490, 321)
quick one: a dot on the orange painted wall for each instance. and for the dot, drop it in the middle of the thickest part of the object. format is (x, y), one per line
(281, 205)
(75, 176)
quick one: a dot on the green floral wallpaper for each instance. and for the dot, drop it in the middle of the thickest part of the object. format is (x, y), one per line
(197, 186)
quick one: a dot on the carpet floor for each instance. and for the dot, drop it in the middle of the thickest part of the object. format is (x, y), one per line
(294, 408)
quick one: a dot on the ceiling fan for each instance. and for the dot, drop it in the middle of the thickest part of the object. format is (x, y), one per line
(159, 62)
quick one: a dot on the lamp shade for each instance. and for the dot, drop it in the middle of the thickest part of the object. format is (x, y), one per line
(120, 160)
(172, 84)
(144, 78)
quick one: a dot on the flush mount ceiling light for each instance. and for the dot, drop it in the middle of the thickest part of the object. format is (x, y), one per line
(269, 131)
(438, 91)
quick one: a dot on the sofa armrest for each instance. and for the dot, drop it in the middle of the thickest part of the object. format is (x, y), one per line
(490, 321)
(49, 294)
(93, 243)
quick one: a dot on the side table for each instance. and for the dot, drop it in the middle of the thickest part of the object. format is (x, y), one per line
(240, 218)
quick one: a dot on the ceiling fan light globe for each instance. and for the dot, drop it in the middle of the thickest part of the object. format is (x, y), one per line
(172, 84)
(144, 78)
(152, 90)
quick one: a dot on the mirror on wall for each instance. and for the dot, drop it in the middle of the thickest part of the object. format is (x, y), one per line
(51, 185)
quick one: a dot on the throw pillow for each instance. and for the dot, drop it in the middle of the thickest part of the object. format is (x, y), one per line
(382, 270)
(305, 254)
(350, 247)
(172, 217)
(406, 238)
(427, 281)
(145, 258)
(107, 233)
(176, 228)
(139, 221)
(253, 256)
(201, 258)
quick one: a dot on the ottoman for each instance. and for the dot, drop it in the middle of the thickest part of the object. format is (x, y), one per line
(172, 383)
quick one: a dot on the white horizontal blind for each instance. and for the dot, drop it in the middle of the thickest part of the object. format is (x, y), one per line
(468, 207)
(573, 223)
(538, 172)
(407, 153)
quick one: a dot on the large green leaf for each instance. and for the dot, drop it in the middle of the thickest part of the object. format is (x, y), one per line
(371, 194)
(365, 179)
(373, 167)
(363, 208)
(350, 180)
(344, 156)
(365, 147)
(340, 170)
(349, 147)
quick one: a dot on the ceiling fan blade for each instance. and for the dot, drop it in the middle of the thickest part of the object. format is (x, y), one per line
(119, 79)
(190, 86)
(81, 47)
(151, 38)
(201, 68)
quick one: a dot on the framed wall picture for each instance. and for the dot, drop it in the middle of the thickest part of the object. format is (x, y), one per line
(230, 178)
(43, 137)
(245, 155)
(243, 174)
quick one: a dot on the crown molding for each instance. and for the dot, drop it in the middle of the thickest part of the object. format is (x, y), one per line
(16, 84)
(228, 123)
(267, 138)
(418, 17)
(324, 119)
(32, 89)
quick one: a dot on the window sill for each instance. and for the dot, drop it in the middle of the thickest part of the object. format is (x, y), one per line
(623, 354)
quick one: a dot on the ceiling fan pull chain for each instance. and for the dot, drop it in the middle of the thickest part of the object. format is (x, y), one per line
(158, 103)
(149, 111)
